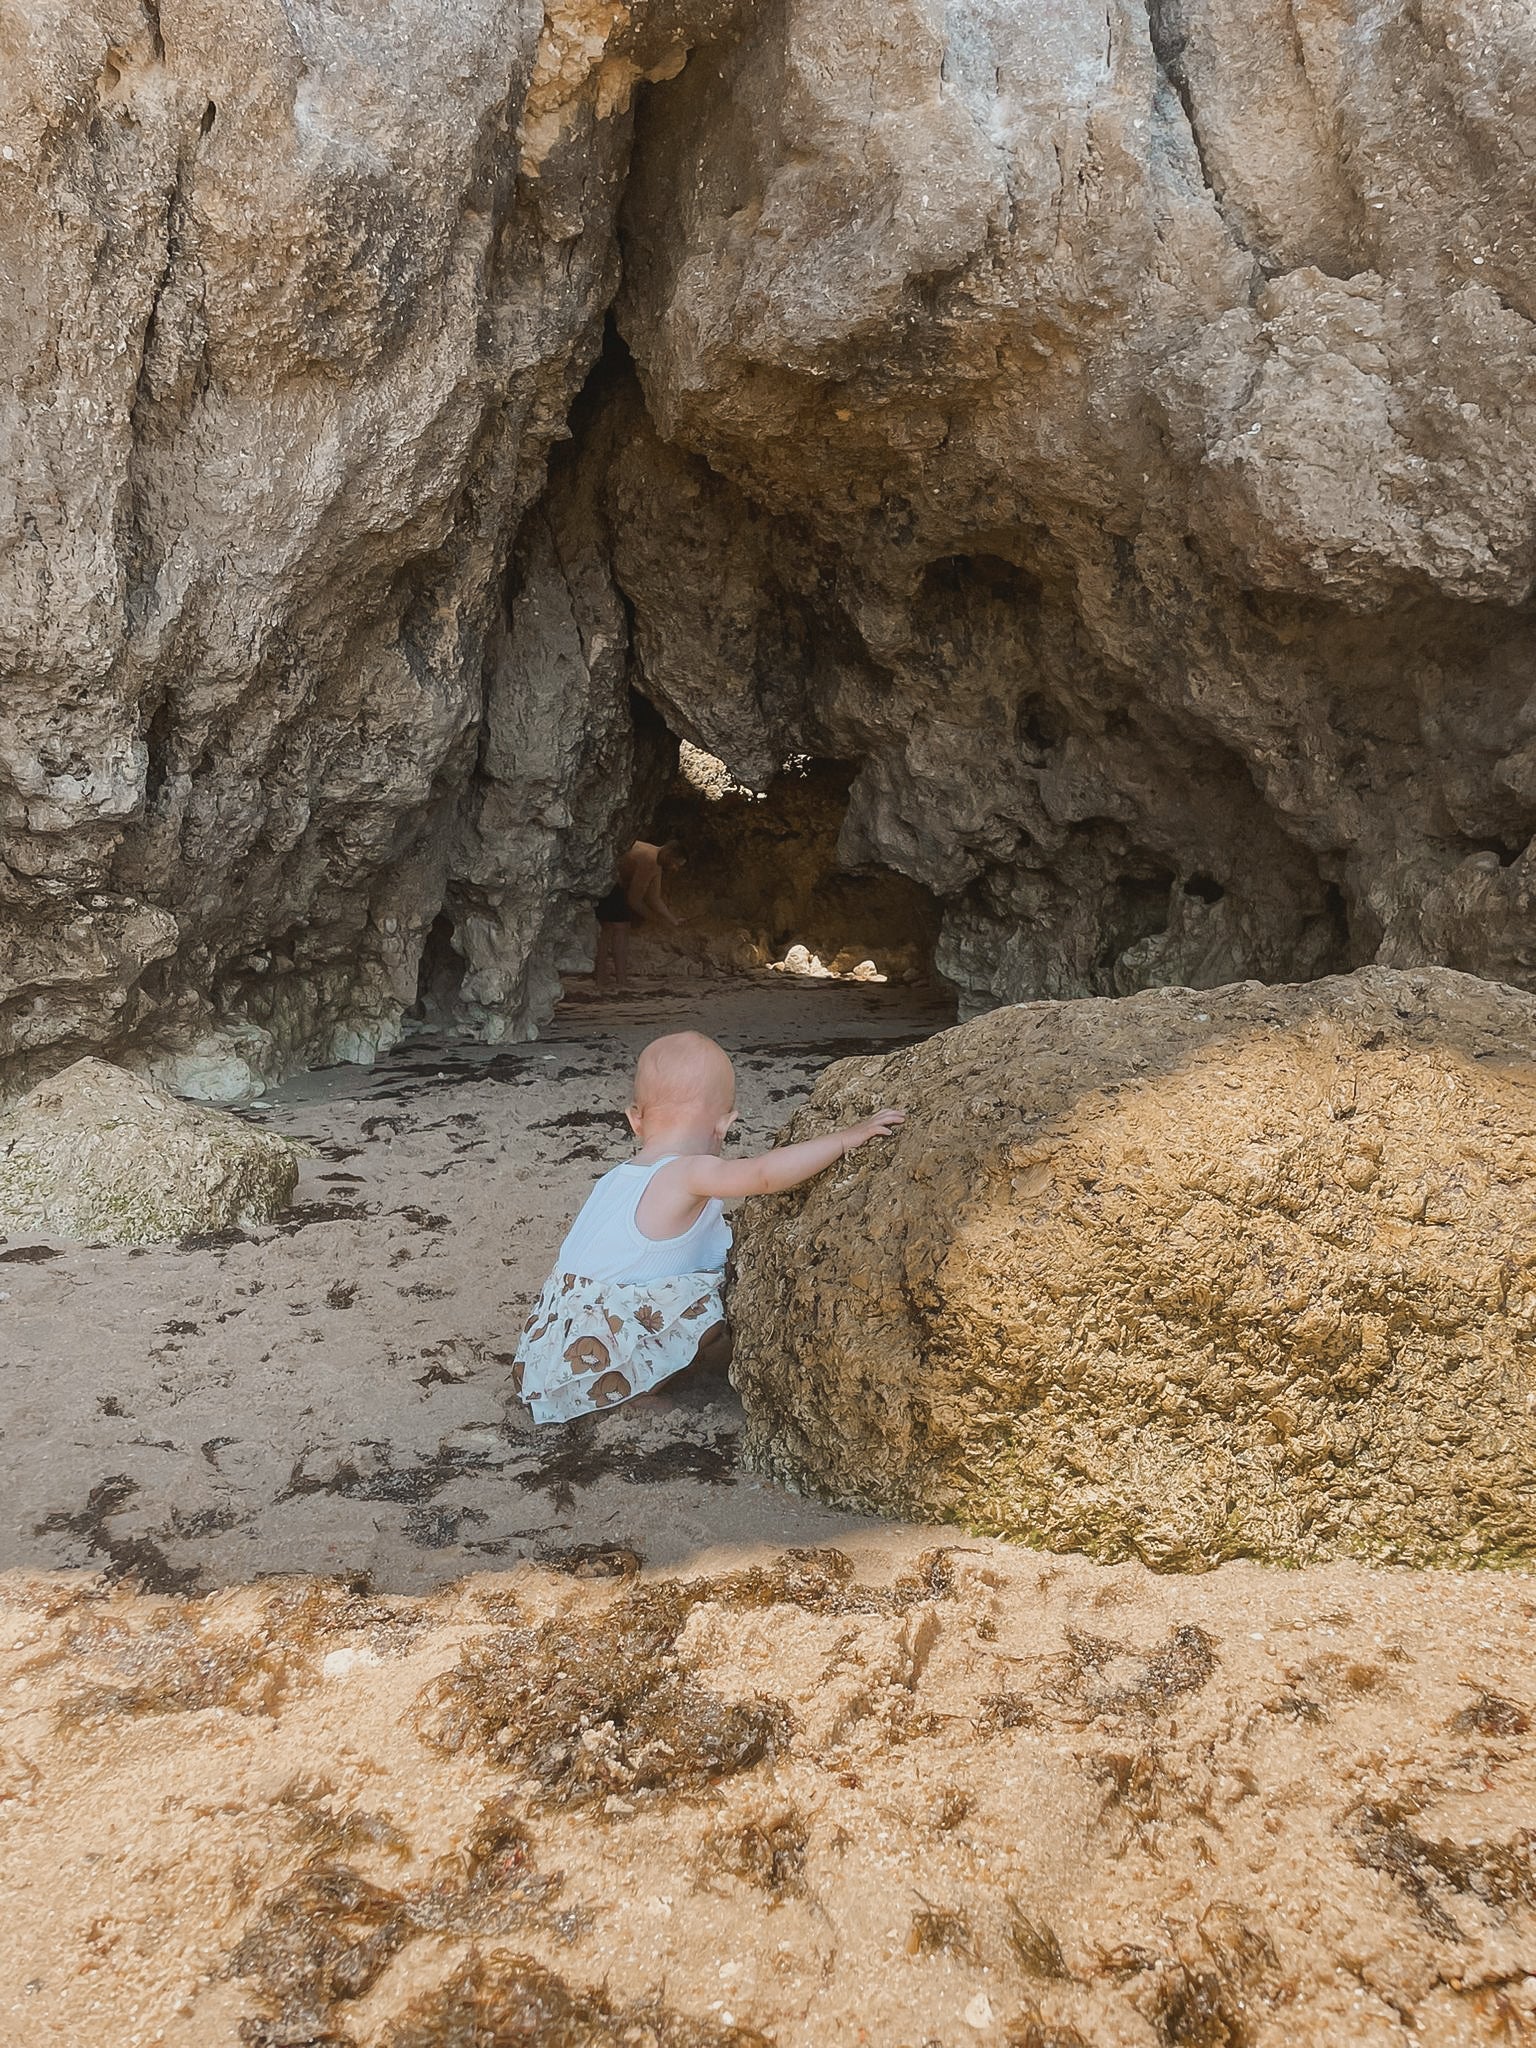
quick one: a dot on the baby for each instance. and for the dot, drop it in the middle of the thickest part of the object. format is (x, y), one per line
(635, 1294)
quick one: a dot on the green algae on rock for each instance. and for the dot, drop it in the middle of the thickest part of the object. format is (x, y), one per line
(1247, 1272)
(97, 1153)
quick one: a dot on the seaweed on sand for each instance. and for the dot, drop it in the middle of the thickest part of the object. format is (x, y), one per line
(593, 1560)
(938, 1930)
(324, 1832)
(1498, 1873)
(592, 1709)
(600, 1707)
(587, 1455)
(176, 1662)
(304, 1612)
(767, 1852)
(322, 1939)
(1004, 1710)
(500, 1999)
(135, 1558)
(1035, 1945)
(1206, 2004)
(1490, 1714)
(1180, 1665)
(491, 1884)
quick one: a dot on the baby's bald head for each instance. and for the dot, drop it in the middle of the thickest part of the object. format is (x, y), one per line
(685, 1072)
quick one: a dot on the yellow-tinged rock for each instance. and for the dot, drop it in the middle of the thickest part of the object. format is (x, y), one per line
(1190, 1292)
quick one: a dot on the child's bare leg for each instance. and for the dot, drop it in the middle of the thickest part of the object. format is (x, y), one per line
(714, 1350)
(602, 966)
(713, 1355)
(620, 956)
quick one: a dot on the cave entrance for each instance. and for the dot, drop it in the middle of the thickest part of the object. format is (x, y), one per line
(439, 976)
(762, 888)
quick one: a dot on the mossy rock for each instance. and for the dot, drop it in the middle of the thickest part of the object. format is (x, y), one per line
(1247, 1272)
(102, 1155)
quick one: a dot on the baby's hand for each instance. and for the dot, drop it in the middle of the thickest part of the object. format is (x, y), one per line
(880, 1125)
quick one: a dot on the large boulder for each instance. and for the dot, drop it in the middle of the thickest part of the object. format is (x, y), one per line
(99, 1153)
(1186, 1276)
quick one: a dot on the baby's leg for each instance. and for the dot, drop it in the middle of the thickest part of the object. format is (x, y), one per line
(714, 1352)
(712, 1356)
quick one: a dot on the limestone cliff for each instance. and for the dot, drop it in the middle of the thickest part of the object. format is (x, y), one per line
(1109, 432)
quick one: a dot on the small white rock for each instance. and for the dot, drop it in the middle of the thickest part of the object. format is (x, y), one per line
(979, 2013)
(340, 1663)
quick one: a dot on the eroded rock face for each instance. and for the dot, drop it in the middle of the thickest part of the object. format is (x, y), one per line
(95, 1153)
(1184, 1277)
(1114, 435)
(1110, 435)
(295, 305)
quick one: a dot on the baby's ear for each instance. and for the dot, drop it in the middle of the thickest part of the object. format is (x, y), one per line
(634, 1115)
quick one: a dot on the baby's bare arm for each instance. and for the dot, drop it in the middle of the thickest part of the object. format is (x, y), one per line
(770, 1173)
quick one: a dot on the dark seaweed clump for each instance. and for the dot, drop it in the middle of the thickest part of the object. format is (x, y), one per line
(768, 1853)
(1498, 1873)
(589, 1455)
(938, 1930)
(498, 2000)
(602, 1707)
(1031, 2029)
(1490, 1714)
(323, 1939)
(592, 1709)
(593, 1561)
(1002, 1710)
(318, 1942)
(135, 1558)
(1180, 1666)
(1207, 2004)
(1035, 1945)
(1199, 2009)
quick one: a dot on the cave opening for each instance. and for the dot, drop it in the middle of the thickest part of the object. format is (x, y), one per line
(440, 974)
(762, 887)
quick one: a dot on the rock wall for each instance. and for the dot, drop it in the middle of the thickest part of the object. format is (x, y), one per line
(1113, 432)
(295, 304)
(1134, 416)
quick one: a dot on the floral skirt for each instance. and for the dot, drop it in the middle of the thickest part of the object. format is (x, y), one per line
(590, 1344)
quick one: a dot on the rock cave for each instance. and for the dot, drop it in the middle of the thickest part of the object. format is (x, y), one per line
(1119, 480)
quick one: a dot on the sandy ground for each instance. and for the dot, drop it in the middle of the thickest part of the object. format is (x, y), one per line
(339, 1705)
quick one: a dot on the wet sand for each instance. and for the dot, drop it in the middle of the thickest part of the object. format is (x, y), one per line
(329, 1688)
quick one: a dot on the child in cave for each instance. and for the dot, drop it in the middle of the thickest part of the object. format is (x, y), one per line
(635, 1296)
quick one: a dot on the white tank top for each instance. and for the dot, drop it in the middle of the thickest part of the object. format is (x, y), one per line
(606, 1243)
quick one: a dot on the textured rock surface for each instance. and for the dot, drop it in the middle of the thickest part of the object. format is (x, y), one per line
(95, 1153)
(296, 302)
(1130, 423)
(1189, 1277)
(1113, 439)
